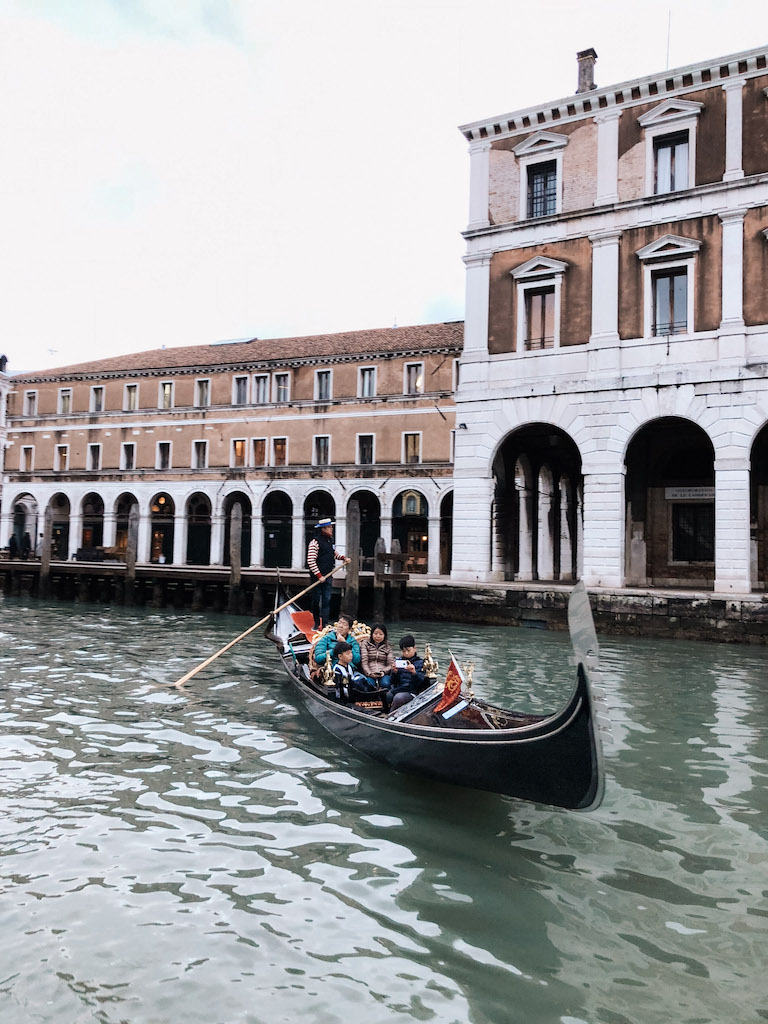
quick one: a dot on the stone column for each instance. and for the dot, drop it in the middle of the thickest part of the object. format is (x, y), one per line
(110, 529)
(733, 270)
(478, 285)
(179, 539)
(298, 548)
(472, 499)
(217, 539)
(545, 560)
(607, 157)
(524, 533)
(479, 179)
(340, 535)
(433, 546)
(75, 533)
(6, 527)
(385, 526)
(603, 540)
(733, 88)
(732, 508)
(605, 287)
(145, 532)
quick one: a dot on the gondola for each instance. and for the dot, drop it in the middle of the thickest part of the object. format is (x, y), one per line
(548, 759)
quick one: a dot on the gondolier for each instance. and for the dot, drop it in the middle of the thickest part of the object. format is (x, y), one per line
(321, 558)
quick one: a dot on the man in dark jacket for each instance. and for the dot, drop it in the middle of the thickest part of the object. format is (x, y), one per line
(408, 676)
(321, 558)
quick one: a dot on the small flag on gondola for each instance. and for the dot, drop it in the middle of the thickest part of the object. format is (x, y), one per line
(454, 681)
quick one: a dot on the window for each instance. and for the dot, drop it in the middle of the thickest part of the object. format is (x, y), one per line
(414, 378)
(279, 451)
(539, 318)
(259, 451)
(261, 389)
(282, 387)
(30, 403)
(27, 458)
(202, 393)
(670, 163)
(165, 399)
(540, 159)
(323, 386)
(65, 401)
(163, 455)
(61, 458)
(693, 532)
(128, 456)
(538, 286)
(670, 301)
(240, 391)
(367, 385)
(237, 460)
(542, 189)
(199, 454)
(670, 145)
(668, 283)
(411, 448)
(321, 454)
(97, 399)
(94, 458)
(365, 449)
(131, 398)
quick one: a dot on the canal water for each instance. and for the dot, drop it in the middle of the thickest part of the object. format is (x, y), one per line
(214, 856)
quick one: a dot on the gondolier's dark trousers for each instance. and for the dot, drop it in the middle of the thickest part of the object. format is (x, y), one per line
(321, 601)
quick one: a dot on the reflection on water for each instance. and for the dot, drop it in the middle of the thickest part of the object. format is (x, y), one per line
(213, 855)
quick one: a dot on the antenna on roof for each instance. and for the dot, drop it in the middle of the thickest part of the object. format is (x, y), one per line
(395, 321)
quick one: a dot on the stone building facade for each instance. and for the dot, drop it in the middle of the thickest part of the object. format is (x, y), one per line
(612, 408)
(290, 428)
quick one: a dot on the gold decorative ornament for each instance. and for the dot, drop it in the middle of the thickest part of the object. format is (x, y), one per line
(431, 667)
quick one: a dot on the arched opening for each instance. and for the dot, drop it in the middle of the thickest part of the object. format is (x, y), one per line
(123, 507)
(446, 534)
(759, 509)
(670, 506)
(410, 526)
(537, 473)
(60, 527)
(162, 511)
(93, 521)
(198, 529)
(26, 526)
(370, 525)
(317, 505)
(245, 536)
(277, 520)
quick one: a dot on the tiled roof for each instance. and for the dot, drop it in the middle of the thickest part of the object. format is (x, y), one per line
(281, 350)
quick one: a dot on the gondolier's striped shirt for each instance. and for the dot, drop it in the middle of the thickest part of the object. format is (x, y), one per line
(312, 557)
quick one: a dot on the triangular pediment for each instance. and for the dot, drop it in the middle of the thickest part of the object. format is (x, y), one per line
(670, 112)
(540, 142)
(669, 246)
(539, 266)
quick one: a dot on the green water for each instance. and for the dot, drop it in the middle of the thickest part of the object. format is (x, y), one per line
(214, 856)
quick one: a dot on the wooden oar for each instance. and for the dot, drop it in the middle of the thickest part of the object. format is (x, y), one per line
(213, 657)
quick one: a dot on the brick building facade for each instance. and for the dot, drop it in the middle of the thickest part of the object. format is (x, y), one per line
(290, 428)
(616, 340)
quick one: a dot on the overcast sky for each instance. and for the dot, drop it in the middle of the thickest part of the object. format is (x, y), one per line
(178, 172)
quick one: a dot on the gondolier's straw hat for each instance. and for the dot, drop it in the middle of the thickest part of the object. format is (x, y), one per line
(324, 522)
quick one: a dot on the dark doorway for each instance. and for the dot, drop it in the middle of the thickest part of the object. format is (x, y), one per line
(162, 512)
(370, 524)
(199, 530)
(446, 534)
(245, 537)
(410, 526)
(277, 519)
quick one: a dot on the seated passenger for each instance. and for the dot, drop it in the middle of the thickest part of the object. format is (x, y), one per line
(325, 645)
(408, 677)
(345, 675)
(377, 657)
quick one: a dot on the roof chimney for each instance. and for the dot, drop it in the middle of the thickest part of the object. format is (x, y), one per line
(586, 59)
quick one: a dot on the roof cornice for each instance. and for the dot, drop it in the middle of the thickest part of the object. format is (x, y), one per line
(705, 74)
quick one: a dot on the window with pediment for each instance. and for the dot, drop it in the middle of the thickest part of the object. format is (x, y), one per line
(669, 266)
(670, 146)
(540, 158)
(538, 287)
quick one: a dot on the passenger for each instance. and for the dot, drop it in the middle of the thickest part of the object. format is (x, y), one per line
(13, 547)
(325, 645)
(408, 677)
(345, 674)
(377, 657)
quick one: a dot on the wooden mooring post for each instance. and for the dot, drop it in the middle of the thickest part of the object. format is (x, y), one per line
(388, 578)
(235, 558)
(352, 583)
(131, 548)
(45, 555)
